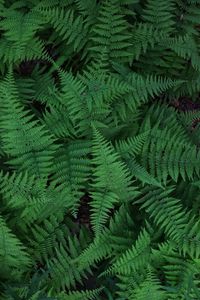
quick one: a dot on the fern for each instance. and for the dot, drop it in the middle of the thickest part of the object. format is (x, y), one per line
(166, 211)
(20, 28)
(47, 236)
(85, 295)
(145, 37)
(64, 262)
(35, 155)
(99, 149)
(13, 254)
(19, 189)
(177, 157)
(151, 286)
(160, 14)
(74, 33)
(111, 31)
(181, 275)
(110, 174)
(134, 258)
(107, 162)
(182, 46)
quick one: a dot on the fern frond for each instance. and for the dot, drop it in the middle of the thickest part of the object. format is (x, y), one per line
(43, 207)
(146, 87)
(186, 47)
(72, 169)
(150, 286)
(134, 258)
(160, 14)
(149, 86)
(29, 144)
(181, 276)
(112, 181)
(144, 37)
(58, 122)
(88, 8)
(95, 252)
(190, 242)
(19, 189)
(72, 29)
(102, 203)
(170, 153)
(113, 239)
(13, 254)
(141, 173)
(63, 267)
(20, 28)
(131, 146)
(80, 295)
(48, 236)
(167, 211)
(110, 173)
(111, 31)
(11, 54)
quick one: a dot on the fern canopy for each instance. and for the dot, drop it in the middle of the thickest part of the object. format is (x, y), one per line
(99, 149)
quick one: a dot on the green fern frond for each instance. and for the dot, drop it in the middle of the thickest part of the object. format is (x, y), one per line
(43, 207)
(80, 295)
(131, 146)
(113, 238)
(149, 86)
(141, 173)
(185, 46)
(181, 276)
(134, 258)
(19, 189)
(112, 181)
(58, 122)
(146, 87)
(95, 252)
(145, 37)
(160, 14)
(11, 54)
(166, 211)
(190, 242)
(152, 287)
(20, 28)
(13, 254)
(110, 173)
(72, 169)
(88, 8)
(72, 29)
(110, 31)
(170, 153)
(46, 237)
(63, 267)
(102, 203)
(29, 144)
(192, 14)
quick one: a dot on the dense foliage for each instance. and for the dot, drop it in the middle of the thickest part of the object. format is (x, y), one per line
(99, 149)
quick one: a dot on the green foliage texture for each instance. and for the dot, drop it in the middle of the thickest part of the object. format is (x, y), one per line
(99, 149)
